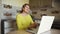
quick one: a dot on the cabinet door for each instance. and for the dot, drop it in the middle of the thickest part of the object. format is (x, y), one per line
(34, 3)
(46, 2)
(39, 3)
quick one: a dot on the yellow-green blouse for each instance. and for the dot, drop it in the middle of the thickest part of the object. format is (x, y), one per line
(23, 22)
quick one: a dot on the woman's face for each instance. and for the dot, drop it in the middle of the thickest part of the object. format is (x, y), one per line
(26, 9)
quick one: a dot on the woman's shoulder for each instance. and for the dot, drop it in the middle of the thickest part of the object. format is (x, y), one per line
(29, 15)
(18, 14)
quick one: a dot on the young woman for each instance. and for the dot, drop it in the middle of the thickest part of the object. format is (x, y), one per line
(24, 20)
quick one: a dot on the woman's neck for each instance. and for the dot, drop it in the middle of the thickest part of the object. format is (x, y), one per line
(24, 14)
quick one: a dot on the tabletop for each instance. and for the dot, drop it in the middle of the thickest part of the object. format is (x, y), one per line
(52, 31)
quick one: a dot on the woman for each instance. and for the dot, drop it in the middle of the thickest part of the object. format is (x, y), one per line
(24, 20)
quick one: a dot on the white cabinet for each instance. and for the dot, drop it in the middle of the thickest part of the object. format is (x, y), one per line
(8, 25)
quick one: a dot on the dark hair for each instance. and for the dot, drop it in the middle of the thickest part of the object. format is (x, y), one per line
(23, 7)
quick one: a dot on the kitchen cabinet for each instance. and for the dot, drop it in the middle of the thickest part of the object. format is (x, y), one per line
(39, 3)
(7, 25)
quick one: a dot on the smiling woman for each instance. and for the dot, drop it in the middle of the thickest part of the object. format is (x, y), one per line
(24, 20)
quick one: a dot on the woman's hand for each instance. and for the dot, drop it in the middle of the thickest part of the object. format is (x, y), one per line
(34, 25)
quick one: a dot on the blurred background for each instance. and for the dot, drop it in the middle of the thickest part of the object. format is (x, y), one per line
(39, 8)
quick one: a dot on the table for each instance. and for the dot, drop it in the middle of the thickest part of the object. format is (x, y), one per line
(52, 31)
(19, 32)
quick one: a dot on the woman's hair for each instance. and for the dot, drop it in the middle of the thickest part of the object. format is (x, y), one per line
(23, 7)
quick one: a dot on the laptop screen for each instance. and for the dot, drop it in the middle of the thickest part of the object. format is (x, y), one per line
(45, 24)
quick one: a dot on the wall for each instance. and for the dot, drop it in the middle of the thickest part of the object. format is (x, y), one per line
(56, 3)
(18, 3)
(0, 2)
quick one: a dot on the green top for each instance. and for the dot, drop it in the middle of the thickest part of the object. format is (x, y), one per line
(23, 22)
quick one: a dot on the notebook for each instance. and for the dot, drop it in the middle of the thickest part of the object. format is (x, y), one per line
(45, 25)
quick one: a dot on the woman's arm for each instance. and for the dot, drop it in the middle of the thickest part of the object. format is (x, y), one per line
(34, 25)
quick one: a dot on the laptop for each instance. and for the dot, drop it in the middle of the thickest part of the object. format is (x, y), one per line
(45, 24)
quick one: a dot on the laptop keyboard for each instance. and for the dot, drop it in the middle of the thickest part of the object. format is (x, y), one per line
(33, 31)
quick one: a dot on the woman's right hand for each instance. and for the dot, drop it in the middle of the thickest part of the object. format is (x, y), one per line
(34, 25)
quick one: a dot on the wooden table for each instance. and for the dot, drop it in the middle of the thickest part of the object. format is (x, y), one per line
(52, 31)
(19, 32)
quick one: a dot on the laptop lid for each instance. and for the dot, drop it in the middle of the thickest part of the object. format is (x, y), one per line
(45, 24)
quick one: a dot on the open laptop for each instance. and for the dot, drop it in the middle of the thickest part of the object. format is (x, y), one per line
(45, 24)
